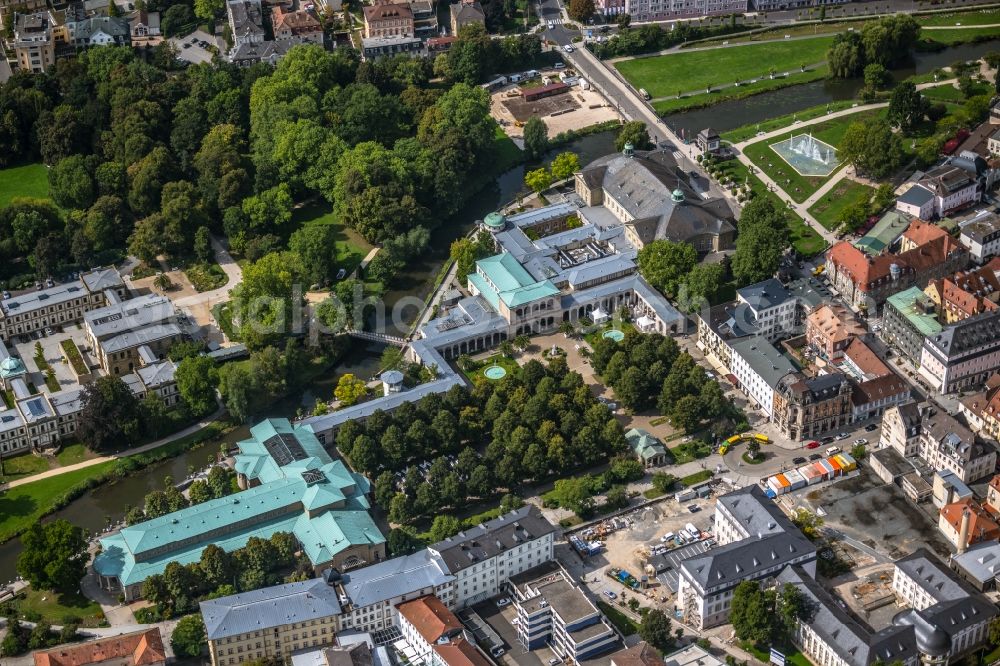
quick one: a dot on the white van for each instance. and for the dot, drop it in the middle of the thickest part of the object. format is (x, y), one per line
(644, 94)
(833, 450)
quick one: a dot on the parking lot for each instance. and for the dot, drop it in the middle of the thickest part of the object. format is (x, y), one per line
(197, 47)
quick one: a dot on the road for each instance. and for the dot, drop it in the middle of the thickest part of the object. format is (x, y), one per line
(220, 295)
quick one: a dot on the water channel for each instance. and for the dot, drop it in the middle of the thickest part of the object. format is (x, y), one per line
(96, 509)
(736, 113)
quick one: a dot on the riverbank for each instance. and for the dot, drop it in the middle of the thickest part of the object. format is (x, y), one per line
(27, 501)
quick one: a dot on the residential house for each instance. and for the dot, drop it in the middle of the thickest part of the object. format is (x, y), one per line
(721, 324)
(807, 407)
(385, 18)
(246, 22)
(378, 47)
(267, 51)
(830, 328)
(34, 45)
(143, 25)
(9, 7)
(466, 12)
(298, 25)
(908, 318)
(993, 144)
(271, 623)
(138, 648)
(926, 253)
(982, 236)
(901, 429)
(99, 31)
(966, 293)
(982, 409)
(963, 354)
(644, 654)
(646, 448)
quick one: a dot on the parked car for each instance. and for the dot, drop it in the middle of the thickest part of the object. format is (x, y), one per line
(860, 441)
(843, 435)
(341, 274)
(554, 661)
(798, 460)
(693, 508)
(828, 440)
(503, 601)
(610, 595)
(812, 445)
(560, 65)
(497, 650)
(814, 457)
(568, 48)
(871, 427)
(6, 294)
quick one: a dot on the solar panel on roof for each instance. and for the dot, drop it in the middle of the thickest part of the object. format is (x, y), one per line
(284, 448)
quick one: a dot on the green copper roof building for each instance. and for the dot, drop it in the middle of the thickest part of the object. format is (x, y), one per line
(291, 484)
(502, 278)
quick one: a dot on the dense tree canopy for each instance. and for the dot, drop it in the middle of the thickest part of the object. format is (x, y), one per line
(763, 237)
(53, 556)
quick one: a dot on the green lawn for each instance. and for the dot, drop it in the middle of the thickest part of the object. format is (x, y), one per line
(943, 94)
(29, 180)
(55, 607)
(701, 100)
(507, 152)
(847, 193)
(804, 239)
(23, 465)
(749, 131)
(73, 453)
(977, 17)
(476, 374)
(688, 71)
(799, 187)
(696, 478)
(351, 247)
(23, 506)
(206, 277)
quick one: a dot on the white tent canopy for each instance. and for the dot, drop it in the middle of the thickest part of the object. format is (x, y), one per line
(599, 316)
(645, 323)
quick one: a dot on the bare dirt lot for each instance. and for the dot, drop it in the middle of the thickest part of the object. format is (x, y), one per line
(582, 108)
(877, 515)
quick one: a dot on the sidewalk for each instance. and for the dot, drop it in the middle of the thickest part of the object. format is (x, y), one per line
(191, 429)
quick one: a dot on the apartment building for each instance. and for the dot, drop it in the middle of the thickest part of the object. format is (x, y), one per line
(830, 328)
(876, 386)
(756, 541)
(807, 407)
(138, 648)
(271, 623)
(369, 595)
(127, 334)
(963, 354)
(720, 325)
(33, 42)
(982, 237)
(947, 444)
(758, 367)
(246, 22)
(982, 409)
(553, 611)
(771, 307)
(385, 18)
(299, 25)
(942, 190)
(966, 293)
(926, 253)
(425, 622)
(966, 522)
(485, 557)
(665, 10)
(908, 318)
(59, 305)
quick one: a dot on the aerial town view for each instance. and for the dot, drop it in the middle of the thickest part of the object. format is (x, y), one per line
(500, 333)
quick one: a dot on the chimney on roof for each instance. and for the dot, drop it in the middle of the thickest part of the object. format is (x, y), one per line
(963, 532)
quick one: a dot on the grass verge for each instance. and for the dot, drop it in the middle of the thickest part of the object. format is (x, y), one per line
(697, 477)
(744, 90)
(72, 454)
(26, 464)
(623, 623)
(845, 194)
(749, 131)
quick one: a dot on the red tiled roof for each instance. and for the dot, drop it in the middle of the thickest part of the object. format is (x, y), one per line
(461, 653)
(865, 271)
(866, 360)
(982, 527)
(385, 11)
(641, 654)
(430, 618)
(921, 233)
(878, 389)
(142, 648)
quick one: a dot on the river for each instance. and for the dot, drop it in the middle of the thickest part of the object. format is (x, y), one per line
(736, 113)
(107, 504)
